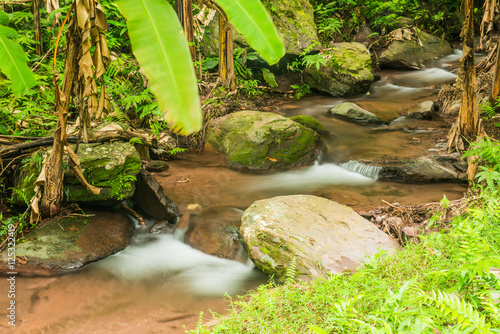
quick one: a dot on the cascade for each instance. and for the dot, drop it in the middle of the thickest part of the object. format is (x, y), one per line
(363, 169)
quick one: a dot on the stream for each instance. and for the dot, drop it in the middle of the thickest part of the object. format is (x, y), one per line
(159, 284)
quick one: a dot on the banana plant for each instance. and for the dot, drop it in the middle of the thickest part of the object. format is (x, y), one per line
(161, 49)
(13, 60)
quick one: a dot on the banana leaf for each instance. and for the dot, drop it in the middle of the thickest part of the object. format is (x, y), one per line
(161, 49)
(251, 19)
(13, 62)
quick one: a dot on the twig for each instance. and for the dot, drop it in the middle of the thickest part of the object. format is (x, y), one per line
(390, 204)
(135, 214)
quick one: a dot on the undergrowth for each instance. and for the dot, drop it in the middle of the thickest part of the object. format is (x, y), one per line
(447, 283)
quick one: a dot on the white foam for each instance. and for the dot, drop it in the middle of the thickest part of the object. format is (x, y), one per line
(165, 258)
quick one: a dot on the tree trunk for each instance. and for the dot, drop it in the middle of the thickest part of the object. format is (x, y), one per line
(38, 27)
(226, 58)
(495, 88)
(184, 9)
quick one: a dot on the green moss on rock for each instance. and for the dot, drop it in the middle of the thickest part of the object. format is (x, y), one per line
(310, 122)
(110, 166)
(257, 140)
(348, 70)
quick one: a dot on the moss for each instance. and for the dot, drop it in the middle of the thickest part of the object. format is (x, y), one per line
(111, 166)
(310, 122)
(258, 140)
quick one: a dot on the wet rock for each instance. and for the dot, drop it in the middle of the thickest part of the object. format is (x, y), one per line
(259, 141)
(162, 227)
(156, 166)
(407, 53)
(64, 244)
(348, 70)
(110, 166)
(311, 123)
(434, 168)
(422, 110)
(149, 196)
(323, 236)
(355, 113)
(216, 232)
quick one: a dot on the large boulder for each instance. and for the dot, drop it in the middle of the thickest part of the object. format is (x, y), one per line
(65, 244)
(355, 113)
(110, 166)
(323, 237)
(405, 50)
(348, 70)
(259, 141)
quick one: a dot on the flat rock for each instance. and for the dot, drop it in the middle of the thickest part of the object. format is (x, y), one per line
(324, 237)
(355, 113)
(61, 245)
(422, 110)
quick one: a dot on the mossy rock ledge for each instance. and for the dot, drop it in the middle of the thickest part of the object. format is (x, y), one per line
(348, 70)
(65, 244)
(323, 237)
(113, 167)
(260, 141)
(408, 54)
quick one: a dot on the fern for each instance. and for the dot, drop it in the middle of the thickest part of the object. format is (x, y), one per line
(449, 305)
(291, 272)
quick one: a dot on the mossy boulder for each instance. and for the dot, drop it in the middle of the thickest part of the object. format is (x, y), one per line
(355, 113)
(65, 244)
(348, 70)
(322, 236)
(259, 141)
(110, 166)
(407, 53)
(311, 123)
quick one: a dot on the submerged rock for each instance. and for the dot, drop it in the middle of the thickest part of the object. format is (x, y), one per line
(110, 166)
(259, 141)
(422, 110)
(65, 244)
(149, 196)
(215, 231)
(407, 53)
(348, 70)
(355, 113)
(323, 237)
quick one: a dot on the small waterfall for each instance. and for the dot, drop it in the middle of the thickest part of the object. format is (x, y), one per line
(363, 169)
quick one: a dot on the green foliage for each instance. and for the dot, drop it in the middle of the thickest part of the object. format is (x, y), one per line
(487, 154)
(13, 61)
(250, 18)
(443, 284)
(269, 78)
(155, 32)
(301, 90)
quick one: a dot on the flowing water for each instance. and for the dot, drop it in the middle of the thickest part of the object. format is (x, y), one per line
(158, 283)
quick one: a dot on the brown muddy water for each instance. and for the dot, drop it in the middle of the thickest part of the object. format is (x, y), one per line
(159, 284)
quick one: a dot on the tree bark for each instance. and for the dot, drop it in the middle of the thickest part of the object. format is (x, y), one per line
(486, 37)
(38, 27)
(184, 9)
(226, 57)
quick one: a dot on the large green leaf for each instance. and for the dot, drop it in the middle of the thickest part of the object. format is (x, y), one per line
(4, 18)
(161, 49)
(13, 62)
(251, 19)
